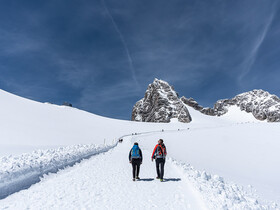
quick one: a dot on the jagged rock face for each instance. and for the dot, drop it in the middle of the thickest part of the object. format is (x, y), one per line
(262, 104)
(220, 107)
(192, 103)
(208, 111)
(160, 104)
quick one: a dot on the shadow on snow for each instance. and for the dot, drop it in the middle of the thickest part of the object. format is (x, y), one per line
(172, 180)
(164, 180)
(146, 180)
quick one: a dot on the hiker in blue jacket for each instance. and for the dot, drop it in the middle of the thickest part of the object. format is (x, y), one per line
(135, 158)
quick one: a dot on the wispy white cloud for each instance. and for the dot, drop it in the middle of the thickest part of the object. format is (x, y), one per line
(13, 43)
(130, 61)
(252, 55)
(181, 42)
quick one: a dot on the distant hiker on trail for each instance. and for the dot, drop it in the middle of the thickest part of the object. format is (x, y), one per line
(135, 158)
(159, 154)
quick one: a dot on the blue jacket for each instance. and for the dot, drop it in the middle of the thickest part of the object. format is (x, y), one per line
(140, 153)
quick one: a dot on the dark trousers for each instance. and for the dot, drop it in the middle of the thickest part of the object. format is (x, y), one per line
(160, 167)
(136, 167)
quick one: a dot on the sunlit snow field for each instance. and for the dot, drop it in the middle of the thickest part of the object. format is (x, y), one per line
(236, 146)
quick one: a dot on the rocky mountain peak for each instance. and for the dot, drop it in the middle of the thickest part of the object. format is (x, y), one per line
(262, 104)
(160, 104)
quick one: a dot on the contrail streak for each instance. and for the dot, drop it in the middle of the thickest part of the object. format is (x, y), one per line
(131, 66)
(254, 52)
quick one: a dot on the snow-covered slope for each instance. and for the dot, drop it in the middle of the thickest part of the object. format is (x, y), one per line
(238, 148)
(26, 125)
(234, 115)
(246, 153)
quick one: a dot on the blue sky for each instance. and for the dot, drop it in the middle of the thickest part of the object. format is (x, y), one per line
(100, 55)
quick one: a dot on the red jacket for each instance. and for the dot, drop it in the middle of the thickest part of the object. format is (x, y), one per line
(159, 151)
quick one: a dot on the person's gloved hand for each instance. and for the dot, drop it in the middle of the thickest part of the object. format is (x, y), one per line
(152, 159)
(130, 161)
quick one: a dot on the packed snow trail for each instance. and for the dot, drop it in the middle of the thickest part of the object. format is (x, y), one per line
(105, 182)
(18, 173)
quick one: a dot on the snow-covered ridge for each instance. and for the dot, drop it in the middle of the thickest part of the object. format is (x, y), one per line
(20, 172)
(262, 104)
(160, 104)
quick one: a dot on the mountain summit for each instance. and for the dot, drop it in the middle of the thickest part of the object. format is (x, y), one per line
(160, 104)
(262, 104)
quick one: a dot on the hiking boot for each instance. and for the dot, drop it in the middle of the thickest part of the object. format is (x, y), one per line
(157, 177)
(137, 177)
(161, 180)
(133, 179)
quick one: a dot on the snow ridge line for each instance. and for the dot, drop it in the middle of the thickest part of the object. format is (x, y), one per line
(188, 129)
(20, 172)
(219, 194)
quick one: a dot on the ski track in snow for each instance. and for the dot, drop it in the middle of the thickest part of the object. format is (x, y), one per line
(105, 182)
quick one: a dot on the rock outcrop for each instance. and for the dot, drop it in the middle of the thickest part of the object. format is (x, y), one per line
(262, 104)
(192, 103)
(160, 104)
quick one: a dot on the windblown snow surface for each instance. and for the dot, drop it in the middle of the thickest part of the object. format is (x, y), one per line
(57, 157)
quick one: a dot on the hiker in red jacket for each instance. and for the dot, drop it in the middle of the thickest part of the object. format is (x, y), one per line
(159, 154)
